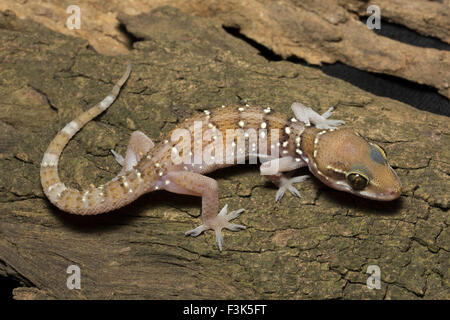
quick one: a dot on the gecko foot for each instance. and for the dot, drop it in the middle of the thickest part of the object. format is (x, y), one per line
(326, 123)
(286, 184)
(308, 116)
(218, 223)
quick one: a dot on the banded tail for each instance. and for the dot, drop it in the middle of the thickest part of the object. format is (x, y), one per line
(93, 200)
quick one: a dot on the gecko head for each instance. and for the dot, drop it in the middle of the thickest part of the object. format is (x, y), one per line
(345, 161)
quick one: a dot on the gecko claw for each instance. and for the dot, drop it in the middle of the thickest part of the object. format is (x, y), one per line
(197, 231)
(329, 124)
(219, 239)
(232, 215)
(120, 160)
(326, 123)
(235, 227)
(328, 113)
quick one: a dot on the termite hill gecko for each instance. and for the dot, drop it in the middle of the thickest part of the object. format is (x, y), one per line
(340, 158)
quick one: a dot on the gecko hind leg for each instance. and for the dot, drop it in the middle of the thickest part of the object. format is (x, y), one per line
(308, 116)
(138, 146)
(191, 183)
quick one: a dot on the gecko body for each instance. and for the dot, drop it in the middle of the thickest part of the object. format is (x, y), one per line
(339, 157)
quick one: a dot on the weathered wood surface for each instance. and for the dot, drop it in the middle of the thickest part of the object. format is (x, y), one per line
(319, 32)
(317, 247)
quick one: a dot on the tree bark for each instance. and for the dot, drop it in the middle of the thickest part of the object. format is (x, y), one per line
(319, 246)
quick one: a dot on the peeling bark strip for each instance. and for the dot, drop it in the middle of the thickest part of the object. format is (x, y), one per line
(412, 15)
(318, 247)
(319, 32)
(327, 32)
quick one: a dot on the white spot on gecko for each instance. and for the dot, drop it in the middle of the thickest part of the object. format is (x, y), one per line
(49, 160)
(106, 102)
(55, 190)
(71, 128)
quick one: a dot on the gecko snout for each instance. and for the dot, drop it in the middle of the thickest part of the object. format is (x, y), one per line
(393, 193)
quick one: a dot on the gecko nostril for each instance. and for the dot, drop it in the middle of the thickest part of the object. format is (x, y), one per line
(394, 192)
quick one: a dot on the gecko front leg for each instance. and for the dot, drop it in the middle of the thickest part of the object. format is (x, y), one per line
(284, 183)
(274, 169)
(191, 183)
(308, 116)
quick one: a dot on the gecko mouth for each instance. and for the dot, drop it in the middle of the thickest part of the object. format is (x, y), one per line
(389, 195)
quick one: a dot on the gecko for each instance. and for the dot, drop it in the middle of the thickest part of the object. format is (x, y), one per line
(338, 156)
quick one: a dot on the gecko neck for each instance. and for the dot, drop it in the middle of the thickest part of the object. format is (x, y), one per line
(309, 142)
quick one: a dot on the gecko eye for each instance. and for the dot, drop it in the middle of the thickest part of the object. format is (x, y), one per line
(357, 180)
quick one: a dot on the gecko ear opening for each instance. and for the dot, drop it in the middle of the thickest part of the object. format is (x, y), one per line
(377, 153)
